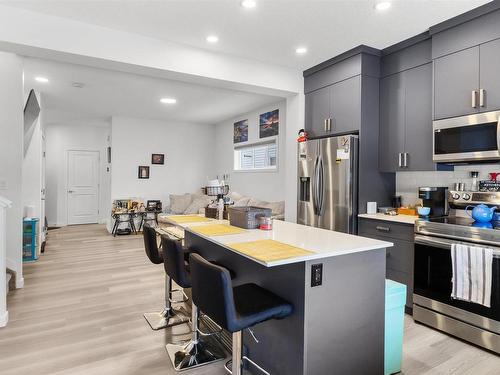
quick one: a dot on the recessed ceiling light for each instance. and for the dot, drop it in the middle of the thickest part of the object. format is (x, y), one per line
(168, 100)
(212, 39)
(383, 5)
(249, 4)
(78, 85)
(41, 79)
(301, 50)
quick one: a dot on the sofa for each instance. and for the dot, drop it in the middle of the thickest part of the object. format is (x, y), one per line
(184, 204)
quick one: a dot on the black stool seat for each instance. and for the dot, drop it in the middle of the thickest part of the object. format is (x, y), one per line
(254, 304)
(232, 308)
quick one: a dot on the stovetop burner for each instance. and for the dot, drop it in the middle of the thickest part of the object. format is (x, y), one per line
(463, 221)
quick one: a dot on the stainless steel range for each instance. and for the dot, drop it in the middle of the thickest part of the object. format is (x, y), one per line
(432, 301)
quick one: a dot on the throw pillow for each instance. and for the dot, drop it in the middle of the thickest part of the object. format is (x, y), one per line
(197, 204)
(179, 203)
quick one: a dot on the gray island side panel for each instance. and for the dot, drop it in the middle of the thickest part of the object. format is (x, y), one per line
(344, 317)
(281, 342)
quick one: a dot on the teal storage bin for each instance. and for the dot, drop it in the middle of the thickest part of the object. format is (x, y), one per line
(395, 299)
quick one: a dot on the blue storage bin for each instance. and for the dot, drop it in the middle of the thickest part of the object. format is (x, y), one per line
(30, 240)
(395, 299)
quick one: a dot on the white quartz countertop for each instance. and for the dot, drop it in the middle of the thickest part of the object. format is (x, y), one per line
(323, 243)
(405, 219)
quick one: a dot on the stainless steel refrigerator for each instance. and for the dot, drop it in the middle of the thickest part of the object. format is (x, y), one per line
(328, 183)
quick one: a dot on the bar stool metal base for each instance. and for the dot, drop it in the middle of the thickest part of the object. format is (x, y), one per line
(166, 318)
(194, 354)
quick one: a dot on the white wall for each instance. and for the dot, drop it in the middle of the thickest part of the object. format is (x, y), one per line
(265, 185)
(407, 183)
(32, 167)
(92, 135)
(11, 155)
(189, 157)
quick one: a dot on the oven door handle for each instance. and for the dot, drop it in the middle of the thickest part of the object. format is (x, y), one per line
(443, 243)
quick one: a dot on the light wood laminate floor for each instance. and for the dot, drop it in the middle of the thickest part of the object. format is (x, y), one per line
(81, 313)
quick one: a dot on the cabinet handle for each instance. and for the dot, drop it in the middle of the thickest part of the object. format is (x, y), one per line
(329, 122)
(482, 96)
(383, 229)
(405, 159)
(324, 123)
(474, 98)
(400, 162)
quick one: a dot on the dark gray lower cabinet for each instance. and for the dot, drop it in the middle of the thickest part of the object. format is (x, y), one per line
(399, 258)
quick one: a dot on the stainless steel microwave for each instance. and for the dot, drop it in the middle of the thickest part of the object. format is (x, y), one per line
(467, 138)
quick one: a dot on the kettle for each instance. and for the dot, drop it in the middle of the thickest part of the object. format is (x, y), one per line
(481, 213)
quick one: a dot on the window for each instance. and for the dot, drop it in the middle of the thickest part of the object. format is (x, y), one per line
(262, 156)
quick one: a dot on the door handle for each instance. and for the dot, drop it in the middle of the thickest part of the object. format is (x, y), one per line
(70, 191)
(482, 97)
(474, 99)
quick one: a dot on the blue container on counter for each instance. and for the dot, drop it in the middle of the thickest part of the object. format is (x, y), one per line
(395, 299)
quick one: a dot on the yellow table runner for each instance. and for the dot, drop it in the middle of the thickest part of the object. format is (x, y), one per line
(269, 250)
(217, 229)
(180, 219)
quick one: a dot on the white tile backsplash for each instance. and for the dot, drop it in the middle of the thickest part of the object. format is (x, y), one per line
(407, 183)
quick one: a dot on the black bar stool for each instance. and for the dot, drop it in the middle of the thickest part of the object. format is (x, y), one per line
(234, 309)
(198, 351)
(169, 316)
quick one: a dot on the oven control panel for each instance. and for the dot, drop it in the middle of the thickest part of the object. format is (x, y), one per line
(464, 198)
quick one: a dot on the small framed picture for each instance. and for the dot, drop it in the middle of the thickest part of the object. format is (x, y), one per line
(158, 159)
(143, 172)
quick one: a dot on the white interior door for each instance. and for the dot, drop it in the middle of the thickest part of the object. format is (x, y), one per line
(83, 187)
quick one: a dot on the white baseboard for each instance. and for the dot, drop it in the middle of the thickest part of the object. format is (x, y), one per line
(19, 282)
(4, 319)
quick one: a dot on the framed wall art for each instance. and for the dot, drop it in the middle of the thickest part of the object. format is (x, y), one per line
(269, 124)
(143, 172)
(157, 158)
(240, 131)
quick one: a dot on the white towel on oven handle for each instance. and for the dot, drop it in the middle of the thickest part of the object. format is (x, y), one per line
(472, 273)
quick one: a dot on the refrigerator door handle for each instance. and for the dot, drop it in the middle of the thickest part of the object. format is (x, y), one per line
(315, 187)
(321, 187)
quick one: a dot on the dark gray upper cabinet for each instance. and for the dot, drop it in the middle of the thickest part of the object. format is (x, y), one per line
(405, 142)
(317, 111)
(489, 76)
(467, 82)
(392, 122)
(346, 103)
(418, 119)
(456, 81)
(334, 109)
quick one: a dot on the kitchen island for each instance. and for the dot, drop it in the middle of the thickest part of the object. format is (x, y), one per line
(337, 327)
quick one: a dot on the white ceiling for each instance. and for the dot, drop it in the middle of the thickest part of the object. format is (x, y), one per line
(106, 93)
(271, 31)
